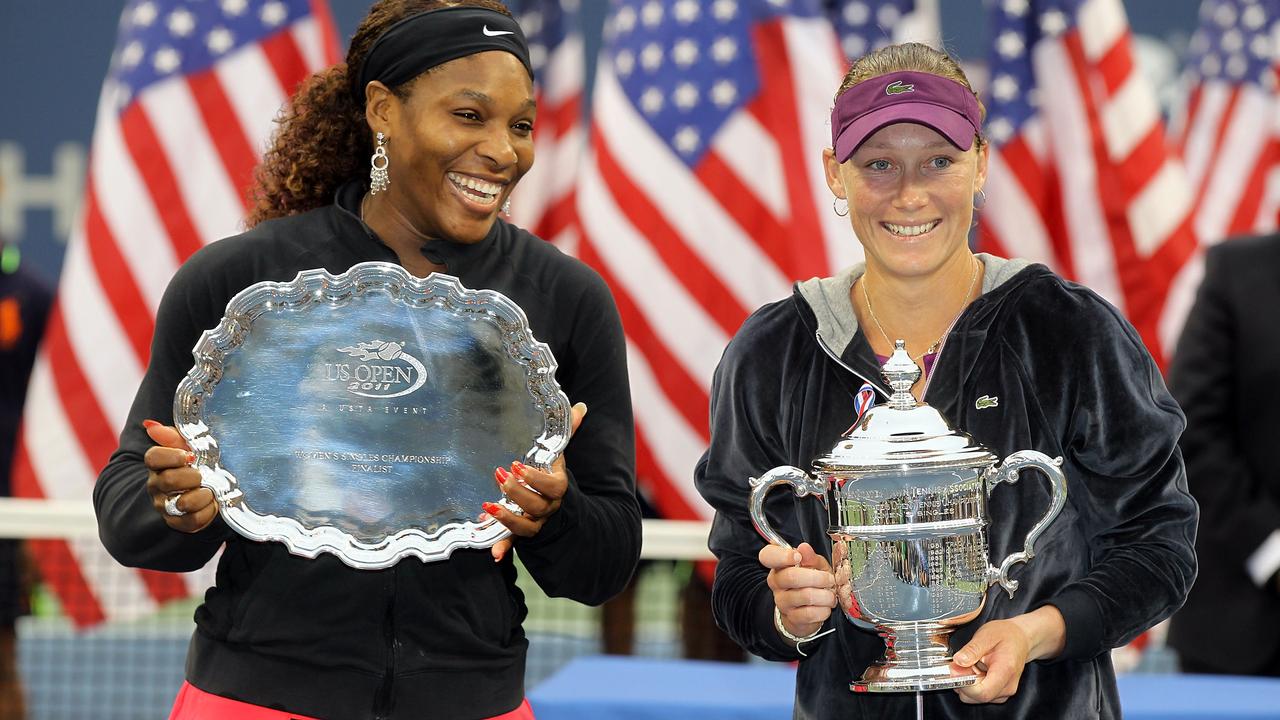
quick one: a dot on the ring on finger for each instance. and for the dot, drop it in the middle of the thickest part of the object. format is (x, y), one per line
(171, 506)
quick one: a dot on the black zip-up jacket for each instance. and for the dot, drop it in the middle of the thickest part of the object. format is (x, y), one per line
(1063, 373)
(1226, 373)
(418, 640)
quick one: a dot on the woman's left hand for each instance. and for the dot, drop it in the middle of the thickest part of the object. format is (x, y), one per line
(537, 493)
(1001, 649)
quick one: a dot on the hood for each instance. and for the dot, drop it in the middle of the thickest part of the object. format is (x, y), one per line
(828, 297)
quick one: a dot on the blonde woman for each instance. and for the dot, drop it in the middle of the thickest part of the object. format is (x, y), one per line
(1060, 370)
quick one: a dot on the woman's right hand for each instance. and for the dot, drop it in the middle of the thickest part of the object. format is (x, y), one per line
(803, 586)
(171, 475)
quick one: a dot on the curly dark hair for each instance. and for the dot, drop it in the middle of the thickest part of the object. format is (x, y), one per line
(323, 140)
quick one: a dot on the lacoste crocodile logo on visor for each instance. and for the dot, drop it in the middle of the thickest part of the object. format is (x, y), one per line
(496, 33)
(897, 87)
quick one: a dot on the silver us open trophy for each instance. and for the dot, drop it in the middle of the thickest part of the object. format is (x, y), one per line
(907, 509)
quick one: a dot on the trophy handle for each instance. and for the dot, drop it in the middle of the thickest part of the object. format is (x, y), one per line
(1007, 471)
(800, 482)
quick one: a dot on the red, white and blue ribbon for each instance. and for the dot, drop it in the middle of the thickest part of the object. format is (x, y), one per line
(863, 400)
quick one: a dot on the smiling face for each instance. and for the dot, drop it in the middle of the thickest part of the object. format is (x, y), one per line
(910, 194)
(458, 144)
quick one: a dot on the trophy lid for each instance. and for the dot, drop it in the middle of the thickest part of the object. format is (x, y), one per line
(902, 435)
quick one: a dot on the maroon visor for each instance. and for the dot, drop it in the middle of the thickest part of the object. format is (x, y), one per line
(915, 97)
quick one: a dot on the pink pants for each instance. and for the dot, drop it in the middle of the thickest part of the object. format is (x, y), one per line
(196, 704)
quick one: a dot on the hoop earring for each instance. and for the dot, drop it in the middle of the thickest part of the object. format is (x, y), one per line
(835, 206)
(378, 177)
(979, 205)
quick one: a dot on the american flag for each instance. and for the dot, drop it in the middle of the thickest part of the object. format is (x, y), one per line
(1229, 134)
(865, 26)
(543, 203)
(182, 118)
(1080, 177)
(702, 195)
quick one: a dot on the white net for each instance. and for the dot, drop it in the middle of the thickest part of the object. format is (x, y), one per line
(127, 670)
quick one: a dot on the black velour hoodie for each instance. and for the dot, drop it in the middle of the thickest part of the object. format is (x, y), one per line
(1072, 379)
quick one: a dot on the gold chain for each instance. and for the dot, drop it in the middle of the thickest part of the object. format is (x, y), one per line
(973, 277)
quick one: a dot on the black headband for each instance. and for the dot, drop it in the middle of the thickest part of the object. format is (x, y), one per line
(420, 42)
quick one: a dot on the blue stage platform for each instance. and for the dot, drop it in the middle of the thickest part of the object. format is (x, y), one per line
(620, 688)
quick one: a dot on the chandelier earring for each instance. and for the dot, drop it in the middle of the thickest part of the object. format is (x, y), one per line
(836, 204)
(506, 206)
(378, 177)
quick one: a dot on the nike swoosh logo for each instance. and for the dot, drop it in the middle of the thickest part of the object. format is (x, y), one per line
(496, 33)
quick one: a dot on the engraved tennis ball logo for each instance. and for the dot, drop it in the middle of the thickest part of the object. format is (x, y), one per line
(384, 370)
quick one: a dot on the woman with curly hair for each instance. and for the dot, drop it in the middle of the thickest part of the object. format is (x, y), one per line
(405, 153)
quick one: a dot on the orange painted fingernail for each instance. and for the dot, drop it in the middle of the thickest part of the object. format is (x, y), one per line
(491, 508)
(518, 468)
(150, 423)
(191, 458)
(501, 475)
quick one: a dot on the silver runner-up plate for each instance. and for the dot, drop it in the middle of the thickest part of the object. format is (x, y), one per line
(363, 414)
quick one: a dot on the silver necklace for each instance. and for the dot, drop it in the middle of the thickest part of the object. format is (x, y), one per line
(937, 344)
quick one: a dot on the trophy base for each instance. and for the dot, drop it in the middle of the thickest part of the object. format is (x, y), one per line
(890, 678)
